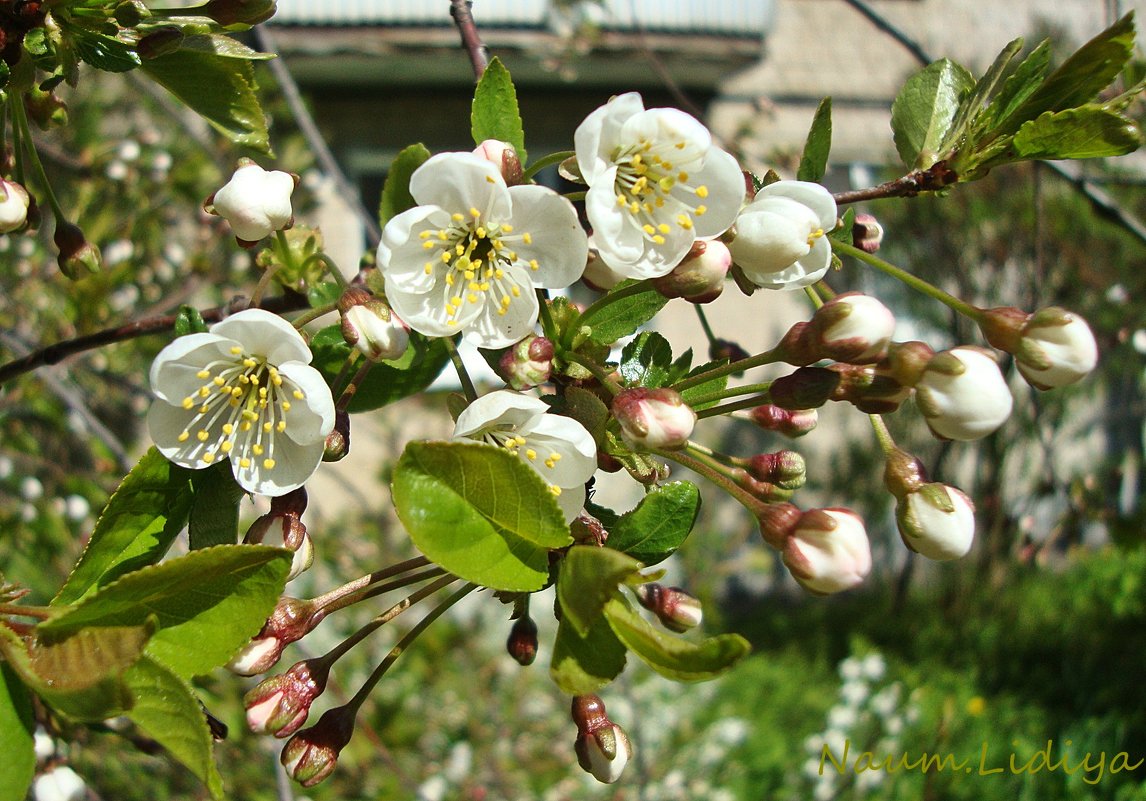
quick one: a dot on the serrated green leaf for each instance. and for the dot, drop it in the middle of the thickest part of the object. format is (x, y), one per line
(167, 710)
(220, 89)
(651, 532)
(105, 52)
(214, 516)
(669, 655)
(17, 726)
(189, 321)
(495, 114)
(584, 664)
(207, 604)
(1081, 77)
(396, 197)
(924, 110)
(588, 410)
(645, 361)
(223, 46)
(1078, 133)
(140, 522)
(814, 160)
(969, 110)
(480, 512)
(388, 381)
(620, 318)
(588, 578)
(1018, 86)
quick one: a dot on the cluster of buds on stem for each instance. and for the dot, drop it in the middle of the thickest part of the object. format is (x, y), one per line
(286, 510)
(527, 364)
(653, 419)
(370, 325)
(603, 749)
(312, 754)
(280, 704)
(934, 520)
(825, 550)
(699, 278)
(852, 328)
(1052, 347)
(675, 609)
(292, 620)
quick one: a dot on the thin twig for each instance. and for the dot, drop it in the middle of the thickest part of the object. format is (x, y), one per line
(461, 11)
(306, 124)
(57, 352)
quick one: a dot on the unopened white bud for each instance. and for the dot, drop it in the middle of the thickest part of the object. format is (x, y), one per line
(937, 521)
(14, 202)
(375, 331)
(963, 395)
(256, 202)
(1057, 349)
(828, 551)
(604, 752)
(855, 328)
(653, 418)
(60, 783)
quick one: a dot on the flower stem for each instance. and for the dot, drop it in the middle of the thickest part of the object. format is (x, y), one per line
(38, 612)
(351, 388)
(398, 569)
(261, 286)
(331, 268)
(547, 326)
(696, 460)
(700, 315)
(374, 590)
(814, 296)
(20, 120)
(882, 435)
(314, 314)
(545, 161)
(767, 357)
(459, 366)
(735, 406)
(404, 643)
(913, 281)
(598, 372)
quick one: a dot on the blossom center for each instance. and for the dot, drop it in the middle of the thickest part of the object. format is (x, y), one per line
(520, 446)
(239, 410)
(647, 174)
(472, 255)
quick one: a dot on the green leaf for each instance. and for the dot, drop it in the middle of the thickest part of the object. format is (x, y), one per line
(587, 409)
(220, 89)
(707, 387)
(843, 231)
(16, 736)
(814, 161)
(215, 508)
(1018, 86)
(167, 711)
(671, 656)
(584, 664)
(589, 577)
(105, 52)
(1081, 77)
(189, 321)
(480, 512)
(622, 317)
(651, 532)
(924, 110)
(140, 522)
(396, 197)
(323, 293)
(1078, 133)
(223, 46)
(207, 604)
(494, 114)
(646, 360)
(388, 381)
(984, 87)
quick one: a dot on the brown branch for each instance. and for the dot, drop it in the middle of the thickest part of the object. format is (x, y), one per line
(58, 351)
(460, 10)
(935, 177)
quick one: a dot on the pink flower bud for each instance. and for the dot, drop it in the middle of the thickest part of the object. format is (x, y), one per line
(522, 642)
(828, 551)
(603, 749)
(853, 328)
(14, 201)
(280, 705)
(786, 469)
(675, 609)
(653, 418)
(291, 621)
(374, 329)
(312, 754)
(962, 394)
(528, 363)
(258, 656)
(937, 521)
(789, 422)
(699, 278)
(255, 202)
(804, 388)
(239, 12)
(285, 517)
(504, 156)
(867, 233)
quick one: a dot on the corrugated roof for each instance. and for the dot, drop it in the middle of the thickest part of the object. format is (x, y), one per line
(738, 17)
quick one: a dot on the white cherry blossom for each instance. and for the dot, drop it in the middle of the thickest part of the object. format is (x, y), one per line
(244, 391)
(656, 184)
(469, 256)
(781, 240)
(558, 448)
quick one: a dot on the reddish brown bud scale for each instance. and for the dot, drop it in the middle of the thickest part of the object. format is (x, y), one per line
(522, 642)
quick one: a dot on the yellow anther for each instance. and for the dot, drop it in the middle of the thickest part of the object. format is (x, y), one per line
(442, 235)
(429, 245)
(679, 145)
(236, 393)
(469, 274)
(188, 403)
(204, 409)
(472, 298)
(484, 286)
(658, 239)
(226, 446)
(527, 238)
(249, 363)
(659, 202)
(556, 490)
(186, 435)
(480, 233)
(533, 265)
(648, 229)
(446, 256)
(286, 406)
(531, 454)
(245, 425)
(684, 221)
(622, 200)
(207, 457)
(257, 449)
(499, 273)
(634, 207)
(449, 279)
(203, 374)
(202, 435)
(474, 212)
(428, 268)
(297, 395)
(666, 183)
(701, 210)
(280, 427)
(520, 440)
(457, 217)
(218, 381)
(461, 251)
(236, 350)
(490, 179)
(228, 429)
(515, 291)
(425, 235)
(682, 176)
(244, 463)
(269, 464)
(267, 426)
(664, 228)
(702, 191)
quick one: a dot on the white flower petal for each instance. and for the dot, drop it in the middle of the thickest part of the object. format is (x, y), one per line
(500, 409)
(812, 195)
(599, 134)
(572, 501)
(401, 256)
(174, 371)
(559, 245)
(569, 439)
(262, 333)
(619, 239)
(490, 327)
(311, 419)
(166, 422)
(459, 181)
(669, 124)
(294, 464)
(720, 170)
